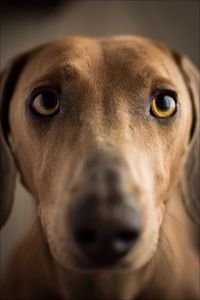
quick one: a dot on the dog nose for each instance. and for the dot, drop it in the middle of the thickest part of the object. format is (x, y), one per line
(104, 232)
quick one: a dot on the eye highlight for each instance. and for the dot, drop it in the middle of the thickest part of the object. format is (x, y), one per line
(163, 106)
(45, 103)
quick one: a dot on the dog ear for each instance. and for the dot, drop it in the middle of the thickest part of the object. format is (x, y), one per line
(8, 81)
(191, 175)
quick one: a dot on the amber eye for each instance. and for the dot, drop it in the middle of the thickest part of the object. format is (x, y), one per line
(163, 106)
(45, 103)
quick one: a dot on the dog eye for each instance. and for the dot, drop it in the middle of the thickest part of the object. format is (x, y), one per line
(45, 103)
(163, 106)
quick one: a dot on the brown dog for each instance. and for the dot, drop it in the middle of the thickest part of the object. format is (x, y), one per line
(105, 135)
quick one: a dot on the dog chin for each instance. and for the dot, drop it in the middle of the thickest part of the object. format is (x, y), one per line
(79, 264)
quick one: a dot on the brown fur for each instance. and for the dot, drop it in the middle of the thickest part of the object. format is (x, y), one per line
(106, 84)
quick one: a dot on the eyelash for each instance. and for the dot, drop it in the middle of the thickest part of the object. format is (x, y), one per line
(36, 91)
(158, 91)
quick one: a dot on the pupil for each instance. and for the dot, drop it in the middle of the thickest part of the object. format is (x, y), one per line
(163, 102)
(48, 100)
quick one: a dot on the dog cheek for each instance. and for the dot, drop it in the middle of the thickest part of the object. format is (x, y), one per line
(160, 214)
(49, 226)
(54, 224)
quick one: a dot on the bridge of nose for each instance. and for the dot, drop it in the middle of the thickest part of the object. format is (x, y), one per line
(106, 170)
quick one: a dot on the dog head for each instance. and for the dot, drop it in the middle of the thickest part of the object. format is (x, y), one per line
(101, 130)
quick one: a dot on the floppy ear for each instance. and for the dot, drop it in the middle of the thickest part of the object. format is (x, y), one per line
(8, 81)
(191, 174)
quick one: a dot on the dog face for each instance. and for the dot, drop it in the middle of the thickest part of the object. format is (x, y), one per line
(99, 130)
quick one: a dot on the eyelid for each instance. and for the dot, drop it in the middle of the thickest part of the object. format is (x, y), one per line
(164, 91)
(39, 89)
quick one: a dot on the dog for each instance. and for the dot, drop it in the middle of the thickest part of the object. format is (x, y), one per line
(105, 135)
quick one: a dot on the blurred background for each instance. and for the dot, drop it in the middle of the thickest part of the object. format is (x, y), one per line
(27, 23)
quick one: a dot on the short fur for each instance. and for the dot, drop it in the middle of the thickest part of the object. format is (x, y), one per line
(105, 87)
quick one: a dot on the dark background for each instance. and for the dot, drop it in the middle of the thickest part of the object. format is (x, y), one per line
(27, 23)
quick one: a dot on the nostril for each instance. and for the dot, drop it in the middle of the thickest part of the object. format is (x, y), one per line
(128, 236)
(102, 231)
(124, 240)
(85, 237)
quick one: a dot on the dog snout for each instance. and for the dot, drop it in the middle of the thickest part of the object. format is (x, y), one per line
(103, 230)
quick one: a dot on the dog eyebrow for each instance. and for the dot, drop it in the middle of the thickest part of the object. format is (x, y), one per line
(155, 79)
(162, 83)
(54, 76)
